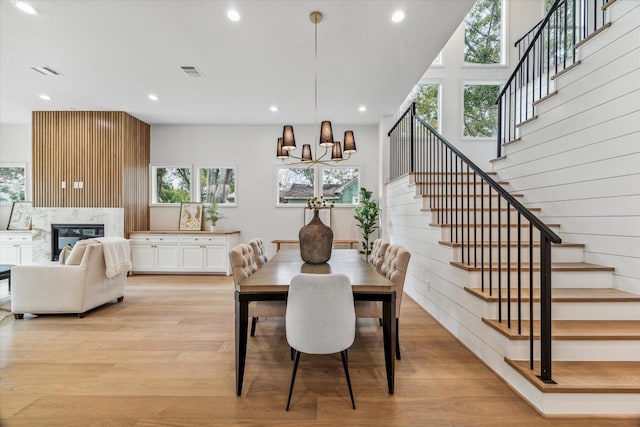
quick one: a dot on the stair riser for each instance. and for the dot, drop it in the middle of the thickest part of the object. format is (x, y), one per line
(420, 179)
(560, 279)
(579, 350)
(558, 253)
(455, 188)
(493, 235)
(474, 200)
(568, 310)
(479, 217)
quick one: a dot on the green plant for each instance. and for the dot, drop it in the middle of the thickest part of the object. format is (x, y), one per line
(213, 214)
(366, 215)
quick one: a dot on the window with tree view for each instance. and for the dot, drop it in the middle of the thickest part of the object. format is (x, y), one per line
(12, 184)
(341, 185)
(480, 111)
(171, 184)
(428, 103)
(483, 33)
(338, 185)
(295, 185)
(217, 184)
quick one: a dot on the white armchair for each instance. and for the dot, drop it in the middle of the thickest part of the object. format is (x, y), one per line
(59, 288)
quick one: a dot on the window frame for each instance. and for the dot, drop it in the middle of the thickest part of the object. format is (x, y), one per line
(317, 183)
(153, 187)
(27, 186)
(321, 173)
(503, 63)
(196, 185)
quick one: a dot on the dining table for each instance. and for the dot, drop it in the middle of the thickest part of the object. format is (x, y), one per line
(271, 283)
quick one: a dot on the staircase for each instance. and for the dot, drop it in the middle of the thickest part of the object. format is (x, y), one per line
(559, 330)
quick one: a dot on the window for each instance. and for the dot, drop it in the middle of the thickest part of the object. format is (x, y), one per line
(13, 183)
(295, 185)
(480, 110)
(427, 101)
(174, 184)
(171, 184)
(217, 183)
(483, 33)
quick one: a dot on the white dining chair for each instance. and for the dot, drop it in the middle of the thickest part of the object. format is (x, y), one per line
(320, 319)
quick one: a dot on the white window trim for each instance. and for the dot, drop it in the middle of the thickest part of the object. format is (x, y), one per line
(504, 63)
(153, 187)
(319, 188)
(317, 178)
(27, 179)
(463, 137)
(196, 186)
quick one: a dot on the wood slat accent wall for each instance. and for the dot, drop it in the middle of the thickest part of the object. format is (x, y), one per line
(108, 151)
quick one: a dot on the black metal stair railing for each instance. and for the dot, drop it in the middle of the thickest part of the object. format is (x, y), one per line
(464, 198)
(546, 50)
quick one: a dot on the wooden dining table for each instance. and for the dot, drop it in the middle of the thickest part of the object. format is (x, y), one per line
(271, 283)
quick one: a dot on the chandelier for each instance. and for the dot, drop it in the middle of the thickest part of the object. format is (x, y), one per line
(287, 143)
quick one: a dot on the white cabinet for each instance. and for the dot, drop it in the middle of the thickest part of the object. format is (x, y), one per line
(182, 252)
(15, 247)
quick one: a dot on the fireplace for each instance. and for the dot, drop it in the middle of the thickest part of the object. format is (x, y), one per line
(68, 234)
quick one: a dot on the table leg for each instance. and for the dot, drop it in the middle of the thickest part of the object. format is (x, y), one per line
(389, 338)
(242, 323)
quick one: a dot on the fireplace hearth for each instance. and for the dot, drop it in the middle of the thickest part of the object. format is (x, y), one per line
(68, 234)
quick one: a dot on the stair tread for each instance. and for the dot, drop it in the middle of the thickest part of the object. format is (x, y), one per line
(494, 224)
(513, 244)
(572, 329)
(555, 266)
(561, 295)
(478, 208)
(584, 377)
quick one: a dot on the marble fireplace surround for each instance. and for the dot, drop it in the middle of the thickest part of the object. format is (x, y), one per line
(42, 218)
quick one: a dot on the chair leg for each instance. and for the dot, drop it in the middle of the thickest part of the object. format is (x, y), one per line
(254, 321)
(345, 363)
(398, 339)
(293, 376)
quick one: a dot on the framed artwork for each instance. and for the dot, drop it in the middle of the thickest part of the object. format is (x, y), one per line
(20, 218)
(190, 216)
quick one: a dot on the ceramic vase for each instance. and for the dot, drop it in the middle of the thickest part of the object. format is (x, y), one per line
(316, 241)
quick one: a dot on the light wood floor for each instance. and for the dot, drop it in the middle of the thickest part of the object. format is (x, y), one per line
(165, 357)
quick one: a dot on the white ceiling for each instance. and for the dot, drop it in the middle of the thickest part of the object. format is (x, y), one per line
(113, 53)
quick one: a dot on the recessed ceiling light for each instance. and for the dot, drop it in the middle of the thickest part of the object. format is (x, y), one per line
(273, 108)
(397, 16)
(45, 97)
(362, 108)
(26, 8)
(153, 97)
(233, 15)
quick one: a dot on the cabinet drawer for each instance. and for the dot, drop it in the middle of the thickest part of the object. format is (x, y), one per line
(143, 238)
(15, 237)
(204, 240)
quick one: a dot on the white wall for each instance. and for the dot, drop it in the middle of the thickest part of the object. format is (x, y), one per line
(252, 150)
(15, 147)
(579, 160)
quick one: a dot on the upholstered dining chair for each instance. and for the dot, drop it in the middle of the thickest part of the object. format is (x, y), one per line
(243, 265)
(376, 257)
(320, 319)
(394, 268)
(259, 252)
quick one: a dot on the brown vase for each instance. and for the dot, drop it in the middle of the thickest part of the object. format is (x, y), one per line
(316, 241)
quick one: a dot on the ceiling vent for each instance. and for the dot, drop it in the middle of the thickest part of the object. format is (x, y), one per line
(191, 71)
(47, 71)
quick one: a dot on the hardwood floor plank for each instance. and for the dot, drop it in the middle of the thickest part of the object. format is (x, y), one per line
(165, 357)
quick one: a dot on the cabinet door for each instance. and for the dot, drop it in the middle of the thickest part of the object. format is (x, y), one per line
(215, 259)
(143, 257)
(26, 254)
(167, 257)
(9, 254)
(192, 257)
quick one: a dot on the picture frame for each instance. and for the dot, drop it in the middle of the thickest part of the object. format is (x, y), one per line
(20, 217)
(190, 216)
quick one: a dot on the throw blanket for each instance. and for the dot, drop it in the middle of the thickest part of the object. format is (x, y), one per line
(117, 257)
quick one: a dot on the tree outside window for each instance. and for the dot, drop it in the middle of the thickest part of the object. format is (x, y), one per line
(295, 185)
(483, 33)
(12, 184)
(172, 184)
(218, 184)
(341, 185)
(480, 111)
(428, 103)
(338, 185)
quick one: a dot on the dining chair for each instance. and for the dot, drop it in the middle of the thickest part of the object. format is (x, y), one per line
(259, 251)
(243, 264)
(394, 268)
(376, 257)
(320, 319)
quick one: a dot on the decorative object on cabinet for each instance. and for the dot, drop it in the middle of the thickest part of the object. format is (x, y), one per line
(316, 238)
(190, 216)
(366, 216)
(213, 214)
(20, 218)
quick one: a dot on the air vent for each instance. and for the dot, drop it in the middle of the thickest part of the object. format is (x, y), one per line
(191, 71)
(47, 71)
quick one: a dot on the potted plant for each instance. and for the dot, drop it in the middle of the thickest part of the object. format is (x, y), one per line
(366, 215)
(213, 214)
